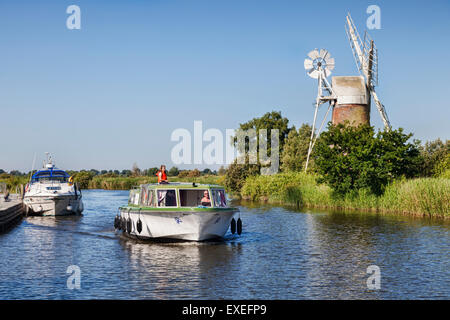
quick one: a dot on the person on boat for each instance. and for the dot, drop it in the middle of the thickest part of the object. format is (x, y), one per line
(206, 201)
(162, 175)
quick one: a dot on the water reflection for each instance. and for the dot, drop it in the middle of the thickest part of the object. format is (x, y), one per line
(181, 268)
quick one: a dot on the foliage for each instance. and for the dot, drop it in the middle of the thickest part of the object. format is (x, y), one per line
(135, 171)
(222, 171)
(206, 171)
(173, 172)
(13, 181)
(436, 158)
(83, 178)
(237, 173)
(125, 173)
(423, 196)
(350, 158)
(189, 173)
(269, 121)
(430, 196)
(295, 151)
(150, 172)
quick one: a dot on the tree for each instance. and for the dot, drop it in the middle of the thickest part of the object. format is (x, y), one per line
(222, 171)
(173, 172)
(269, 121)
(296, 148)
(151, 172)
(351, 158)
(125, 173)
(206, 171)
(83, 178)
(135, 171)
(434, 154)
(442, 168)
(194, 173)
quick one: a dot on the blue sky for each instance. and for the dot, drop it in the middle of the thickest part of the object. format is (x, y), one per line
(111, 94)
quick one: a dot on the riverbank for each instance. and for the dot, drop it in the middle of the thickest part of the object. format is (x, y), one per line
(419, 197)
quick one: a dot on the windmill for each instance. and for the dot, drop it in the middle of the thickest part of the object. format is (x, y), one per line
(366, 58)
(318, 66)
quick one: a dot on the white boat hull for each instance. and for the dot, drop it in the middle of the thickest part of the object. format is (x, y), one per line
(181, 225)
(54, 206)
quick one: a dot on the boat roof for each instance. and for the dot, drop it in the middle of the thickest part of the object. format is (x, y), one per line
(180, 185)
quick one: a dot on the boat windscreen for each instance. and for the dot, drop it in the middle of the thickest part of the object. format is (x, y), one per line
(50, 175)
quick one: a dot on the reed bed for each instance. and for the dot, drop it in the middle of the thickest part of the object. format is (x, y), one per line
(420, 197)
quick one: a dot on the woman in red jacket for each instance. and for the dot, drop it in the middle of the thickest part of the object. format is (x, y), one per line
(162, 176)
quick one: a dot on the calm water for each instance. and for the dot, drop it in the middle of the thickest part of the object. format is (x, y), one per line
(282, 254)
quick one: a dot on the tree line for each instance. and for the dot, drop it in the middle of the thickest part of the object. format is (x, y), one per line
(347, 158)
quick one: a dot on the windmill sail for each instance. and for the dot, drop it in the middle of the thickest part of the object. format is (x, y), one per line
(319, 67)
(366, 55)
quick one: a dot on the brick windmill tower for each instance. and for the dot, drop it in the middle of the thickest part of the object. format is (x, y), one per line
(348, 96)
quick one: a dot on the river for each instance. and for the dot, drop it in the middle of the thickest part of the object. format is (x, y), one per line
(283, 253)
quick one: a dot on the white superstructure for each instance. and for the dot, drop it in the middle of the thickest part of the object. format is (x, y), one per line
(51, 192)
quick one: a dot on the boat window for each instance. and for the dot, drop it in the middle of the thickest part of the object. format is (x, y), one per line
(50, 176)
(219, 198)
(134, 197)
(195, 198)
(167, 198)
(148, 198)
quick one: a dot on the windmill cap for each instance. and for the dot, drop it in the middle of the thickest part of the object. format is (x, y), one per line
(350, 89)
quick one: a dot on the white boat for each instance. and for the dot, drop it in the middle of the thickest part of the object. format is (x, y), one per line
(177, 211)
(51, 192)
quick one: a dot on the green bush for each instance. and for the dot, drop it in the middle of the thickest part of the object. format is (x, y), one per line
(436, 158)
(236, 175)
(83, 178)
(351, 158)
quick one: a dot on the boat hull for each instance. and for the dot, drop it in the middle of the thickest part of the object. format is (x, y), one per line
(54, 206)
(180, 225)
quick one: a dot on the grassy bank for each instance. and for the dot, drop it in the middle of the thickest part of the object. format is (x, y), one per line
(423, 197)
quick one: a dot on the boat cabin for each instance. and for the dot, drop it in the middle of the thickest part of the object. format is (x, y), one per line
(178, 195)
(50, 175)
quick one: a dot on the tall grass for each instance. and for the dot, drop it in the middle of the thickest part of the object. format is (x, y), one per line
(14, 182)
(429, 196)
(424, 196)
